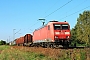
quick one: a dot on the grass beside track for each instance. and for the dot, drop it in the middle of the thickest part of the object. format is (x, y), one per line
(3, 47)
(9, 53)
(34, 53)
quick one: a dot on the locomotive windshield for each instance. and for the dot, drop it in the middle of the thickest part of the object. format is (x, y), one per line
(57, 26)
(60, 26)
(64, 27)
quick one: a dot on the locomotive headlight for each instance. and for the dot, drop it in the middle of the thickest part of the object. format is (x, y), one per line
(67, 37)
(57, 32)
(67, 32)
(56, 36)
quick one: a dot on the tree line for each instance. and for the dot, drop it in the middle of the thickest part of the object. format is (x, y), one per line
(80, 34)
(2, 42)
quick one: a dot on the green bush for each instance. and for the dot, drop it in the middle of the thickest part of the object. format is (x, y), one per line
(2, 42)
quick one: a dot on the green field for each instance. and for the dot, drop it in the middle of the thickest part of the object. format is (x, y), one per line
(30, 53)
(8, 53)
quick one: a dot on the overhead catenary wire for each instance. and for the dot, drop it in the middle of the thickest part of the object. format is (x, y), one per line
(58, 8)
(52, 12)
(76, 6)
(32, 26)
(48, 9)
(37, 20)
(75, 12)
(17, 31)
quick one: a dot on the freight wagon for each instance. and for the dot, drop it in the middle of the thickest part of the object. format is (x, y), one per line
(20, 41)
(27, 39)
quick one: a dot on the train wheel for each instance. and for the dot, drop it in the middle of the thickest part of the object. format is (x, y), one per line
(66, 46)
(48, 46)
(51, 46)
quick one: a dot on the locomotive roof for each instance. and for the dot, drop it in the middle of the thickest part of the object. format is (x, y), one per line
(50, 22)
(56, 22)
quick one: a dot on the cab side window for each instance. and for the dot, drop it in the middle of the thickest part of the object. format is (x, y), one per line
(48, 27)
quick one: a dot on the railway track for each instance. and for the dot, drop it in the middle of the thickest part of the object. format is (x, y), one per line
(61, 47)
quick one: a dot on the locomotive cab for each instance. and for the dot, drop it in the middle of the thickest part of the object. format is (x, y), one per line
(61, 33)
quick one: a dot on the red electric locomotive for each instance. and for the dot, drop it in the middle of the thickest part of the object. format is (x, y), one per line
(53, 34)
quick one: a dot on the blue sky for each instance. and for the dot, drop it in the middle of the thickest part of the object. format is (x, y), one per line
(23, 15)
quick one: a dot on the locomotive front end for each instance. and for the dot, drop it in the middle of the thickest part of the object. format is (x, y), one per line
(61, 33)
